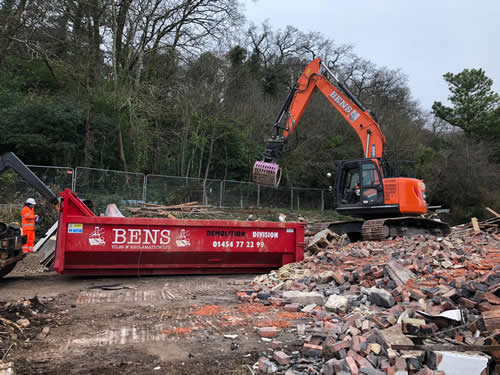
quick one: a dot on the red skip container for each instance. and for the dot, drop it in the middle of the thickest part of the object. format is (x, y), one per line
(96, 245)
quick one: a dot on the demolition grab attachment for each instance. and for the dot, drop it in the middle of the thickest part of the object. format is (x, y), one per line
(268, 172)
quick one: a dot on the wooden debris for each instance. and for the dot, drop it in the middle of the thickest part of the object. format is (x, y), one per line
(490, 225)
(157, 210)
(493, 212)
(7, 322)
(475, 225)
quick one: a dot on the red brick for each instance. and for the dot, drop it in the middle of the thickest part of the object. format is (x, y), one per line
(312, 350)
(268, 331)
(277, 301)
(360, 361)
(416, 294)
(356, 344)
(352, 365)
(276, 344)
(338, 277)
(485, 306)
(338, 345)
(390, 370)
(400, 363)
(332, 327)
(292, 307)
(467, 302)
(282, 358)
(405, 295)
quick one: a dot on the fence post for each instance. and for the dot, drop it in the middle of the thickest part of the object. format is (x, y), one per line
(241, 195)
(73, 180)
(322, 200)
(144, 188)
(221, 193)
(291, 199)
(258, 195)
(204, 192)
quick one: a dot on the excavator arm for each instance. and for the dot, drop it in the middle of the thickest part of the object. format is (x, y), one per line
(267, 172)
(10, 160)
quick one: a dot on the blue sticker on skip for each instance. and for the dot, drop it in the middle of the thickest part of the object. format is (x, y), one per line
(75, 228)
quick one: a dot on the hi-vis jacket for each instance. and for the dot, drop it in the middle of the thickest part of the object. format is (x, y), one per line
(28, 216)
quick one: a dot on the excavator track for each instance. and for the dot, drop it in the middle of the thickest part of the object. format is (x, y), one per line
(374, 230)
(380, 229)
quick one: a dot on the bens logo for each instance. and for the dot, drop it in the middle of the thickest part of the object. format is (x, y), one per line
(141, 236)
(341, 102)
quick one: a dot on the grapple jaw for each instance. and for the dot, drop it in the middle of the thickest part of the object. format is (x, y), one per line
(268, 174)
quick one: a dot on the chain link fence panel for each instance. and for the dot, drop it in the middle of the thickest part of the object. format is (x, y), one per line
(102, 187)
(170, 190)
(307, 199)
(240, 194)
(275, 197)
(15, 190)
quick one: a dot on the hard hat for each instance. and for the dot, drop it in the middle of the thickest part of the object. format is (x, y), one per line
(30, 201)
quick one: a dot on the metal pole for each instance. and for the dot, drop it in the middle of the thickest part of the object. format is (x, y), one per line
(73, 180)
(322, 200)
(145, 188)
(76, 172)
(221, 192)
(258, 195)
(291, 199)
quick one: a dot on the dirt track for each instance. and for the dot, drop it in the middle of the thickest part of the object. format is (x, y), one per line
(160, 325)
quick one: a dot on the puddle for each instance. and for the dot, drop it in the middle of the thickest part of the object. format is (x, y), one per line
(124, 296)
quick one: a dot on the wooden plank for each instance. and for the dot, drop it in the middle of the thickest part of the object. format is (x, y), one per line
(448, 348)
(493, 212)
(475, 225)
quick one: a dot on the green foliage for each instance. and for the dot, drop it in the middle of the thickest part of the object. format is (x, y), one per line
(474, 105)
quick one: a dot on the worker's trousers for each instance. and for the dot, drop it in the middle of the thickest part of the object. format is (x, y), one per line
(28, 247)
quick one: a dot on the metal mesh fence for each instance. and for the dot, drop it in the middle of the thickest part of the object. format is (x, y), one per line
(307, 199)
(15, 190)
(103, 187)
(174, 190)
(240, 194)
(275, 198)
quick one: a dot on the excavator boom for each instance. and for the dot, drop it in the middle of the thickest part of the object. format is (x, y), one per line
(11, 238)
(10, 160)
(267, 172)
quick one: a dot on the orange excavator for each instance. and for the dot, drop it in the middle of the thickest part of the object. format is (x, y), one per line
(388, 206)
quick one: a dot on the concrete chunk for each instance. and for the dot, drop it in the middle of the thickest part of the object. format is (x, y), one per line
(336, 303)
(453, 363)
(303, 298)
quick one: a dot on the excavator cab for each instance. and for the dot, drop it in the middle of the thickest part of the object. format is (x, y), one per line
(360, 188)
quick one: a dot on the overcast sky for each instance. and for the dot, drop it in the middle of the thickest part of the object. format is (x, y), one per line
(423, 38)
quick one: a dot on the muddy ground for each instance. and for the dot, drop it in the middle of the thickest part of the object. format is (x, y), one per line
(132, 325)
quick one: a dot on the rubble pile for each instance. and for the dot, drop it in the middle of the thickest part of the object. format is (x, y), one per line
(21, 324)
(413, 305)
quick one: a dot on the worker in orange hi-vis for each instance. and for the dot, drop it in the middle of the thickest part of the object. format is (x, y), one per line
(29, 219)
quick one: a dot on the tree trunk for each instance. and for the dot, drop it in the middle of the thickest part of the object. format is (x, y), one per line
(12, 23)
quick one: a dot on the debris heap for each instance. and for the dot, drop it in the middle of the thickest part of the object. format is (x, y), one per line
(414, 305)
(157, 210)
